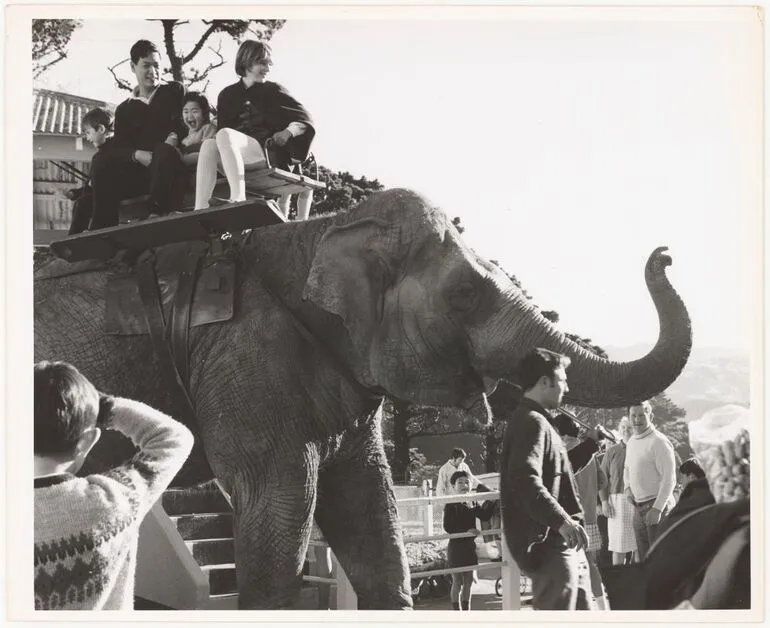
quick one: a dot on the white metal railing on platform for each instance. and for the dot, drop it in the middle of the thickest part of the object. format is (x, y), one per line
(159, 526)
(510, 574)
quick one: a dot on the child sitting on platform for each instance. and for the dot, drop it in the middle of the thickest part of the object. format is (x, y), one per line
(97, 129)
(196, 114)
(86, 528)
(461, 517)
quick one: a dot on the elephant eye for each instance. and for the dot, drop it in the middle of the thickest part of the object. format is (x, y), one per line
(463, 297)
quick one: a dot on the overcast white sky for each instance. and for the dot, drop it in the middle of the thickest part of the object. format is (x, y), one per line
(571, 144)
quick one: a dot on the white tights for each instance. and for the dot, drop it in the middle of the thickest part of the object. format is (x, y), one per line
(233, 151)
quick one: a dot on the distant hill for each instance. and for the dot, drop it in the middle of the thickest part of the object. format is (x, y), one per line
(713, 377)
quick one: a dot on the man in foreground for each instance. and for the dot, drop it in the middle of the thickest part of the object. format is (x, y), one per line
(86, 528)
(542, 517)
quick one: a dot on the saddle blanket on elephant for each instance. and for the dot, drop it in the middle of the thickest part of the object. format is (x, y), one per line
(212, 297)
(213, 279)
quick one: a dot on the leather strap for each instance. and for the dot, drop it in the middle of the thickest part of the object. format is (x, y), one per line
(179, 323)
(148, 291)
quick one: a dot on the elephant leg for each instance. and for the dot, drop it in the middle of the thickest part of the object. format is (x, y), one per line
(273, 509)
(357, 514)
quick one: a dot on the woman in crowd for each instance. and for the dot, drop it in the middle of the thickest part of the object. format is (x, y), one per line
(254, 115)
(615, 506)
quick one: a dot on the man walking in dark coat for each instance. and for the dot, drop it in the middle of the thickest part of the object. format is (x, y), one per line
(542, 517)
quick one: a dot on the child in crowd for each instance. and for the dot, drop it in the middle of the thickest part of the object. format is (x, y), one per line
(86, 528)
(196, 114)
(97, 129)
(461, 517)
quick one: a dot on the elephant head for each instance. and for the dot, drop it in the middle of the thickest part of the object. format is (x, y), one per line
(430, 321)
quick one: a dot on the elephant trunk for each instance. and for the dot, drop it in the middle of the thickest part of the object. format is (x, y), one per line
(595, 381)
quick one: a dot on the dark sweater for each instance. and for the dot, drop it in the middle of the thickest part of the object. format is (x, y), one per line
(272, 108)
(141, 126)
(537, 483)
(460, 518)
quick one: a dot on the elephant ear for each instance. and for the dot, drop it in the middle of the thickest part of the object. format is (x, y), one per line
(350, 272)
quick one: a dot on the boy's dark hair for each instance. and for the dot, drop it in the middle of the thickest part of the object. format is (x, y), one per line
(457, 475)
(201, 101)
(458, 453)
(98, 116)
(538, 363)
(249, 53)
(692, 467)
(66, 405)
(142, 48)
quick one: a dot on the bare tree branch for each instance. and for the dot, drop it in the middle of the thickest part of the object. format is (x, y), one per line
(183, 65)
(201, 76)
(197, 48)
(122, 84)
(168, 40)
(42, 68)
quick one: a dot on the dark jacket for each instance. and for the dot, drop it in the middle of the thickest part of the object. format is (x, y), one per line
(272, 108)
(141, 126)
(695, 495)
(704, 556)
(460, 518)
(537, 483)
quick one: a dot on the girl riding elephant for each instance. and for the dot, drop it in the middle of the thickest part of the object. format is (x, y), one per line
(254, 116)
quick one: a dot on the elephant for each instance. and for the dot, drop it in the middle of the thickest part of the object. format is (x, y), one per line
(331, 314)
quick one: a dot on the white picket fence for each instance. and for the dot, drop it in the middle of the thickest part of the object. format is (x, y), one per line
(418, 512)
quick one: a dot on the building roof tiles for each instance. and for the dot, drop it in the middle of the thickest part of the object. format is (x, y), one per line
(58, 113)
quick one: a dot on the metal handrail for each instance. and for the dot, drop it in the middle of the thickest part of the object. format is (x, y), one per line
(449, 499)
(452, 535)
(450, 570)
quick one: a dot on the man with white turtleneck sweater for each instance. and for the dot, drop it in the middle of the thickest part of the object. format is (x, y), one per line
(649, 474)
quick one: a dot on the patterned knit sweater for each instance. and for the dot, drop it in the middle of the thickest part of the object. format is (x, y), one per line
(86, 529)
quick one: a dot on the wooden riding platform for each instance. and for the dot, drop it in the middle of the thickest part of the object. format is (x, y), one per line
(104, 244)
(276, 182)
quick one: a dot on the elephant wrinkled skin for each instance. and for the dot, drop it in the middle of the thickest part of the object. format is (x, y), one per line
(397, 302)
